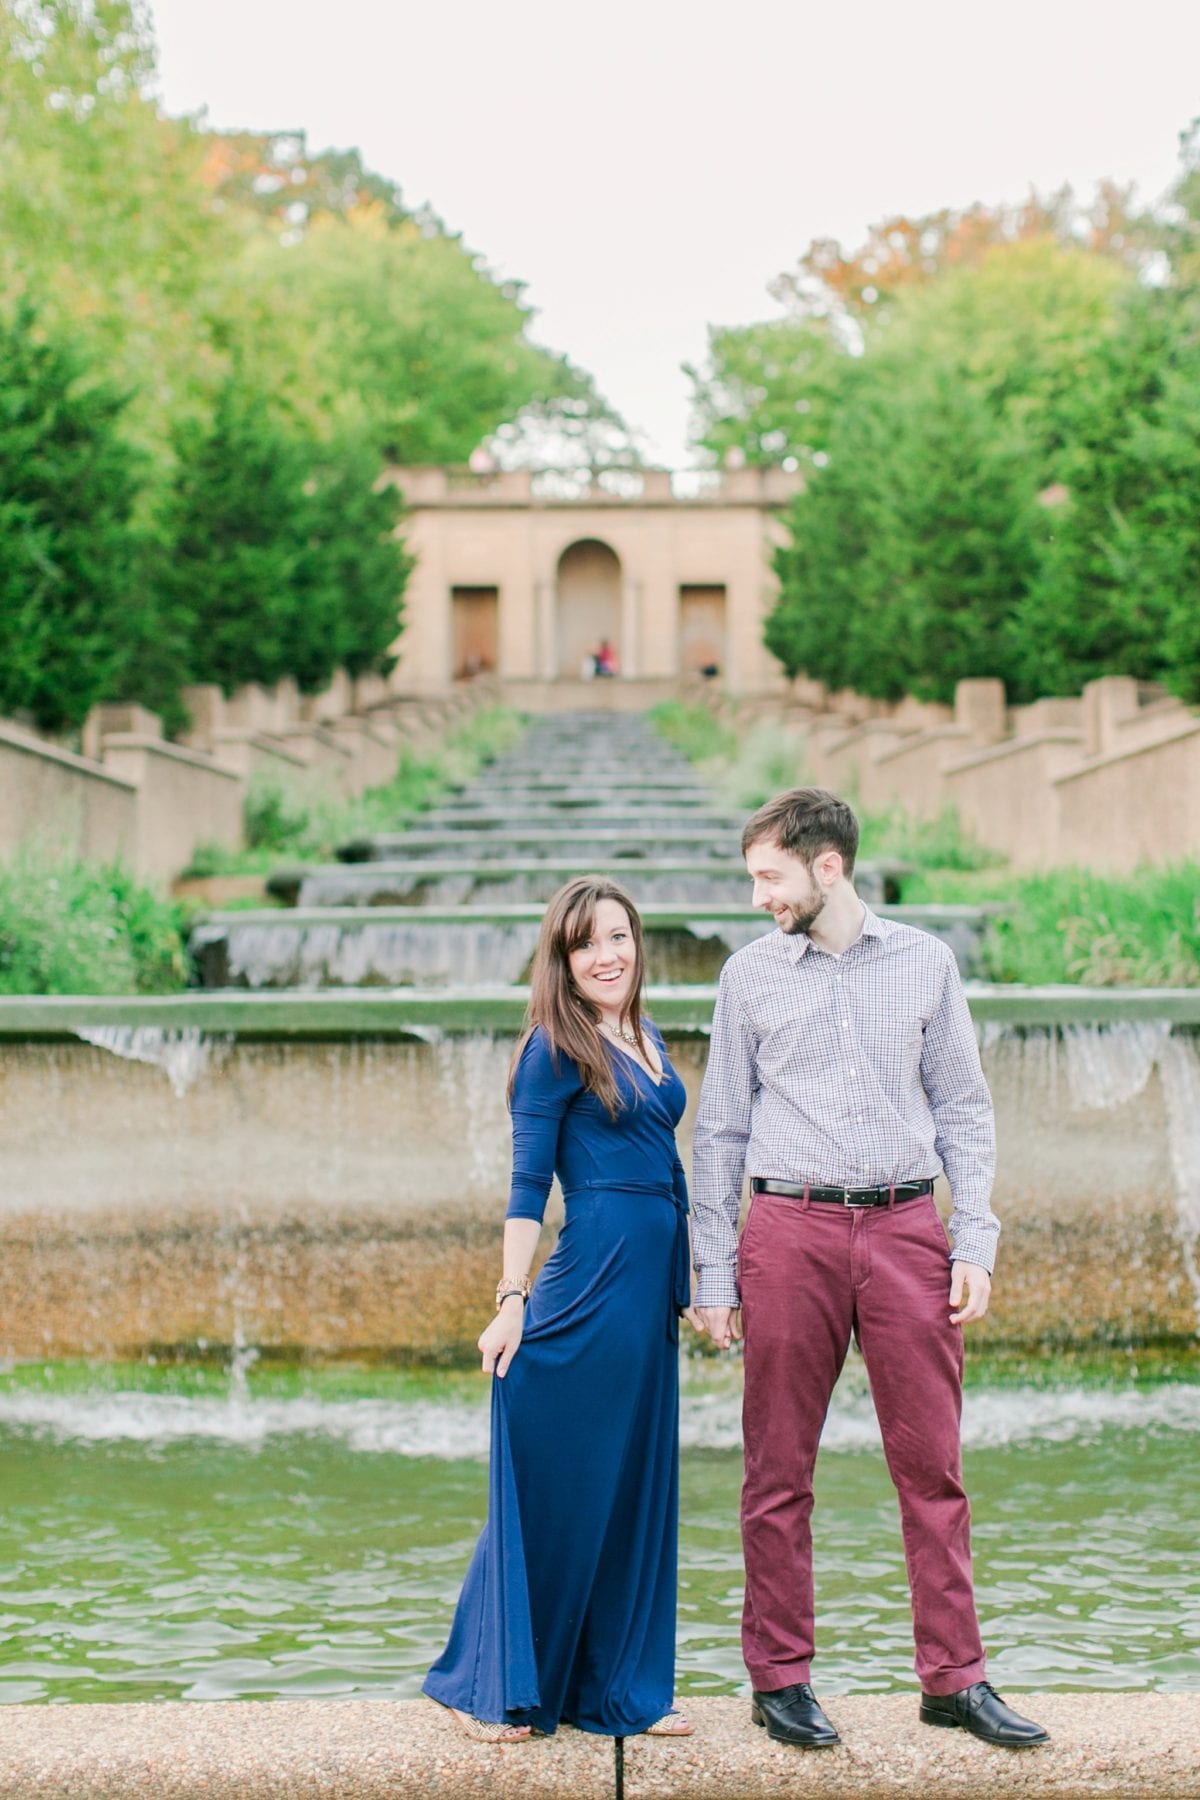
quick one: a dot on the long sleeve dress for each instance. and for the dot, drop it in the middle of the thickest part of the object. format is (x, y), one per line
(567, 1612)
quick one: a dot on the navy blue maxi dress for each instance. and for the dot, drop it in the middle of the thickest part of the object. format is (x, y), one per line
(567, 1612)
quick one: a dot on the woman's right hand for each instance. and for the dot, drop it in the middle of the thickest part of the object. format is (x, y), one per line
(501, 1340)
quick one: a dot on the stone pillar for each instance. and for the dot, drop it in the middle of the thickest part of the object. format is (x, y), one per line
(631, 594)
(132, 721)
(545, 593)
(1107, 703)
(979, 710)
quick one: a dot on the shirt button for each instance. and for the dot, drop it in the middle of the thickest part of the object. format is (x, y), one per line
(845, 1024)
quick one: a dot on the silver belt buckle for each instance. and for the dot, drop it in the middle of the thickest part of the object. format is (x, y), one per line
(849, 1200)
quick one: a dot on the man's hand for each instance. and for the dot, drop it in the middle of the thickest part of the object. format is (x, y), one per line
(978, 1285)
(722, 1323)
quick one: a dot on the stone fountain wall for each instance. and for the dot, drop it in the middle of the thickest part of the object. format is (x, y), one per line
(345, 1198)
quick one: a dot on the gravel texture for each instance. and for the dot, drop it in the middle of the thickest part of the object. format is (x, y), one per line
(1127, 1746)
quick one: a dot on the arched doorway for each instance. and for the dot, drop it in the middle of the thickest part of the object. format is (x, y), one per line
(589, 603)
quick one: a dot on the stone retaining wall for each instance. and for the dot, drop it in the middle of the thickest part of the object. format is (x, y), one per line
(131, 795)
(1106, 781)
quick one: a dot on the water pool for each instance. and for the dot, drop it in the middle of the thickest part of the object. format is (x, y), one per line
(294, 1536)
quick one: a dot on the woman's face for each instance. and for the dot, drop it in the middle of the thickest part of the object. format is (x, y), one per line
(604, 968)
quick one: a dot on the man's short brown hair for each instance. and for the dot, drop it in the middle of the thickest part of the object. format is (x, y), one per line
(804, 822)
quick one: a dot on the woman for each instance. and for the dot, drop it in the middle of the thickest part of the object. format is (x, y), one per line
(568, 1609)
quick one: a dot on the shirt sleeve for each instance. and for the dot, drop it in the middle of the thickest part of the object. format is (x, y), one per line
(964, 1126)
(543, 1088)
(719, 1140)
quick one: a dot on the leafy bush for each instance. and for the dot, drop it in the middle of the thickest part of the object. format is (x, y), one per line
(70, 927)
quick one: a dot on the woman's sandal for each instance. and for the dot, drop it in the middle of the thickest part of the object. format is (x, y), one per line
(487, 1731)
(672, 1724)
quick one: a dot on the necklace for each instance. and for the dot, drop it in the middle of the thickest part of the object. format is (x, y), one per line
(626, 1037)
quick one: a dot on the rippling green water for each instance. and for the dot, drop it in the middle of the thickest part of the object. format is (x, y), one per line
(209, 1541)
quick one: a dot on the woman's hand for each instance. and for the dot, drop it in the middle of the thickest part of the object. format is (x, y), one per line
(501, 1340)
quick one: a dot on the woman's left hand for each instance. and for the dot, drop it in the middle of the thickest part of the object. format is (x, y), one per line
(691, 1313)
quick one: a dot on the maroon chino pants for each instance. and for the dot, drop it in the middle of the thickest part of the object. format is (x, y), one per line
(810, 1275)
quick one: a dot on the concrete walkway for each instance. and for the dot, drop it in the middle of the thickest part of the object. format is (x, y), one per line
(1125, 1746)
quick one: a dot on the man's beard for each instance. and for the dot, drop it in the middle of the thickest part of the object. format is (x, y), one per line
(802, 919)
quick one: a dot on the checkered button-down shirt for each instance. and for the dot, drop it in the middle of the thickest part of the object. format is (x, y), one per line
(856, 1070)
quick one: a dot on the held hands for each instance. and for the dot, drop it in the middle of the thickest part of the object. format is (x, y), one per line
(501, 1340)
(978, 1285)
(722, 1323)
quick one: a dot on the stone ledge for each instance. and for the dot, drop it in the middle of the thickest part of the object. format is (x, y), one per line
(1122, 1746)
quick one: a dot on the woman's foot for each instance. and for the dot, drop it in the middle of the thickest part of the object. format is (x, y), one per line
(487, 1731)
(672, 1724)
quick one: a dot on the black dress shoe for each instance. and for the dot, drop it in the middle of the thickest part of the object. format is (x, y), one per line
(980, 1709)
(792, 1716)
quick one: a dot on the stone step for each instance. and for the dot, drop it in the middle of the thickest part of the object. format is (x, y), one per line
(439, 946)
(1105, 1746)
(462, 881)
(582, 843)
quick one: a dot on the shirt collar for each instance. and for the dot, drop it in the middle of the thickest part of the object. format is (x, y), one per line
(798, 944)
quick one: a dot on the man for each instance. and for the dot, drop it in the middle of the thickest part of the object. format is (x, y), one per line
(843, 1076)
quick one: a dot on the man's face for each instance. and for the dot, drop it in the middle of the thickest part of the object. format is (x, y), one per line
(784, 887)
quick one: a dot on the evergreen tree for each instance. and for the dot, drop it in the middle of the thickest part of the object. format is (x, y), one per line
(965, 525)
(69, 486)
(352, 571)
(236, 541)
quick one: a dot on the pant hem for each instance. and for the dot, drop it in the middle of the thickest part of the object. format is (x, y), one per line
(770, 1680)
(938, 1686)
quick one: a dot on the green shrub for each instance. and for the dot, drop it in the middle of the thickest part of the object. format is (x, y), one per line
(69, 927)
(941, 843)
(1069, 925)
(695, 730)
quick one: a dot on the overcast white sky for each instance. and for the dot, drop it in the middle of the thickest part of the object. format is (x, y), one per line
(647, 166)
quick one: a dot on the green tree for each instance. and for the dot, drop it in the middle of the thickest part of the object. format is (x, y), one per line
(966, 535)
(236, 538)
(352, 571)
(69, 486)
(767, 391)
(103, 213)
(408, 338)
(916, 546)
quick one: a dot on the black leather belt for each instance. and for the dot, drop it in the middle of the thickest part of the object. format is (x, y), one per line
(843, 1196)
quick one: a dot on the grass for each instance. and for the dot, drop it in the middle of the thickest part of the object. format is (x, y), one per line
(942, 843)
(742, 771)
(275, 1379)
(302, 818)
(71, 927)
(1069, 925)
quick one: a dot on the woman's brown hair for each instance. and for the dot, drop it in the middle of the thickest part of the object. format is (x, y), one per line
(570, 1023)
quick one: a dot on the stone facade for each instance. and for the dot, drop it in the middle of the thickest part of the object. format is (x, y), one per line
(526, 576)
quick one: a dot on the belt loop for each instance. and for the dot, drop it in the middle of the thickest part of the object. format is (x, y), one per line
(891, 1196)
(804, 1202)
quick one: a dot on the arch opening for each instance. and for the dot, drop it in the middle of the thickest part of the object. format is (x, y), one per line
(588, 590)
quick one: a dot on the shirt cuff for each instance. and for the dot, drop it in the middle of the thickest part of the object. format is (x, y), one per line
(977, 1247)
(717, 1287)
